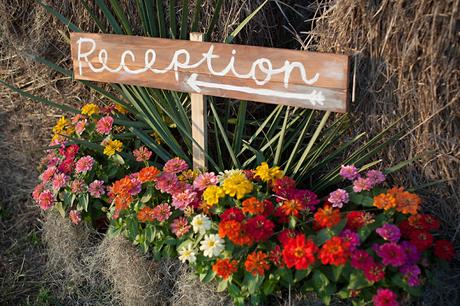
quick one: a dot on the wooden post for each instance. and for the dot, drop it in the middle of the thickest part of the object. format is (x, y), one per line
(199, 122)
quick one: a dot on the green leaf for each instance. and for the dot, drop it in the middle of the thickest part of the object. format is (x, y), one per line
(301, 274)
(60, 209)
(320, 281)
(322, 236)
(234, 291)
(83, 202)
(208, 276)
(358, 281)
(361, 199)
(232, 35)
(222, 285)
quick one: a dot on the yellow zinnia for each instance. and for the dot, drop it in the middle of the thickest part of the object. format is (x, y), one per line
(60, 125)
(112, 146)
(90, 109)
(212, 194)
(237, 184)
(265, 173)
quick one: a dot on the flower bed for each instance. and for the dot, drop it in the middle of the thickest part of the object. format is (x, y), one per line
(254, 231)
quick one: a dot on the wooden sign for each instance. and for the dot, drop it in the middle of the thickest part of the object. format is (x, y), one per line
(277, 76)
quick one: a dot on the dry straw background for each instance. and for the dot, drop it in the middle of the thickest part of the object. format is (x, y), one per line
(406, 56)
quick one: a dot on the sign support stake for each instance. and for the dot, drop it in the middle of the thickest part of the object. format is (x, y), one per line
(199, 122)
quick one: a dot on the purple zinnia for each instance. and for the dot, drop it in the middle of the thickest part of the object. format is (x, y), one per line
(412, 254)
(391, 254)
(349, 172)
(352, 238)
(375, 177)
(338, 198)
(389, 232)
(411, 274)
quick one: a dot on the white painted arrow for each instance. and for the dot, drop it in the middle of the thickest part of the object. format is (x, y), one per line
(315, 97)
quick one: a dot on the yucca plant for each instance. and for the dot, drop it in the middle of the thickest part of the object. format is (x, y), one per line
(309, 145)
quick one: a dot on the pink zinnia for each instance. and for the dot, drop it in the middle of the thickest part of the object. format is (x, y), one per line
(166, 182)
(361, 184)
(104, 125)
(389, 232)
(385, 297)
(37, 191)
(180, 227)
(175, 165)
(142, 154)
(181, 200)
(96, 189)
(204, 180)
(360, 259)
(46, 199)
(75, 216)
(374, 272)
(48, 174)
(349, 172)
(338, 198)
(80, 126)
(162, 212)
(352, 238)
(59, 181)
(84, 164)
(375, 177)
(77, 186)
(137, 185)
(77, 118)
(391, 254)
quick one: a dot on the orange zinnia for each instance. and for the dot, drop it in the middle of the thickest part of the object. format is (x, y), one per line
(235, 232)
(407, 203)
(384, 201)
(253, 206)
(225, 267)
(327, 216)
(257, 263)
(146, 214)
(291, 207)
(148, 174)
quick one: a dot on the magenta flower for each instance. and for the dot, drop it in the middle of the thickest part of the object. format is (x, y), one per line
(389, 232)
(361, 184)
(137, 185)
(411, 274)
(184, 198)
(96, 189)
(338, 198)
(180, 227)
(349, 172)
(48, 174)
(204, 180)
(385, 297)
(392, 254)
(162, 212)
(175, 165)
(84, 164)
(352, 238)
(46, 199)
(59, 181)
(77, 186)
(104, 125)
(167, 182)
(412, 253)
(142, 154)
(75, 216)
(375, 177)
(308, 198)
(360, 259)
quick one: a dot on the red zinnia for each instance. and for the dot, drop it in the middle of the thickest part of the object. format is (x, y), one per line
(444, 250)
(299, 252)
(253, 206)
(424, 222)
(276, 256)
(356, 220)
(259, 228)
(225, 267)
(327, 217)
(235, 231)
(405, 228)
(421, 239)
(283, 186)
(335, 251)
(286, 235)
(256, 263)
(374, 272)
(232, 214)
(280, 217)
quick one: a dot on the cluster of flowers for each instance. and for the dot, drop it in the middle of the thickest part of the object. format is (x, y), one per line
(74, 175)
(248, 226)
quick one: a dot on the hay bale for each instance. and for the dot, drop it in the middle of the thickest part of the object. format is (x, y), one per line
(136, 279)
(189, 291)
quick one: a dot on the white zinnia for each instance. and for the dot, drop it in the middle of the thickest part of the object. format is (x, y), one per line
(212, 245)
(187, 254)
(201, 224)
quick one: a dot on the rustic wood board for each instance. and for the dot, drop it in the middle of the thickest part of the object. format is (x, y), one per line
(278, 76)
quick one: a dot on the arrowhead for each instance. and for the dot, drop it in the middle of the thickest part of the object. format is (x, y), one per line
(192, 82)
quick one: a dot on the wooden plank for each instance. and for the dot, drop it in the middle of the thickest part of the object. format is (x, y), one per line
(279, 76)
(199, 122)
